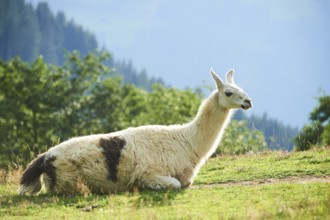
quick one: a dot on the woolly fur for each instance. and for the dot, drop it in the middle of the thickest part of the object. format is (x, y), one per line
(152, 156)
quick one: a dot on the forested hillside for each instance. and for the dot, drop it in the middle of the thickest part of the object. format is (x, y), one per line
(278, 135)
(28, 32)
(133, 76)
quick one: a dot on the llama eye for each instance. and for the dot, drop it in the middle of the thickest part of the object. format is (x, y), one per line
(228, 93)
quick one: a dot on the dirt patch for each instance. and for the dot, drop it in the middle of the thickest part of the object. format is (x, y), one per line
(291, 179)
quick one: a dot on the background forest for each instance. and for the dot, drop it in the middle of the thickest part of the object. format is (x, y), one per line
(28, 33)
(55, 83)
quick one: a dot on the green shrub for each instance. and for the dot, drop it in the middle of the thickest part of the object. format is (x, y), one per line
(239, 139)
(317, 132)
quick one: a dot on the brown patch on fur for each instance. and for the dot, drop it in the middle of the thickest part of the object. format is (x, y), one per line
(49, 170)
(112, 148)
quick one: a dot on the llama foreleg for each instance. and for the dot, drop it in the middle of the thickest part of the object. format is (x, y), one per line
(186, 177)
(158, 182)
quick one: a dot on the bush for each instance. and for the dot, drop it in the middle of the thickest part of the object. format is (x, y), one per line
(326, 135)
(238, 139)
(317, 133)
(309, 136)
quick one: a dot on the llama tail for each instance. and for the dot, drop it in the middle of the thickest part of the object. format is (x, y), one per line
(30, 180)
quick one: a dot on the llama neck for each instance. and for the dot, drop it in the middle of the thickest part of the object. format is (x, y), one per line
(208, 126)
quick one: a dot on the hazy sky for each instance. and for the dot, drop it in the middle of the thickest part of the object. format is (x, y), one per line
(280, 49)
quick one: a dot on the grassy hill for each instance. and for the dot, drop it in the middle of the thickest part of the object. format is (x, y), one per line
(273, 185)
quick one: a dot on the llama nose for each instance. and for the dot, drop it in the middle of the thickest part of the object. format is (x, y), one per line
(248, 101)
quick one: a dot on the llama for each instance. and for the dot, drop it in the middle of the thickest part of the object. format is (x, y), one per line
(152, 157)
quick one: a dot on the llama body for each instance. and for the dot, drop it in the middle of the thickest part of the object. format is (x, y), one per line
(152, 156)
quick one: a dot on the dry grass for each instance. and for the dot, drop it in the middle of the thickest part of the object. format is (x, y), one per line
(11, 177)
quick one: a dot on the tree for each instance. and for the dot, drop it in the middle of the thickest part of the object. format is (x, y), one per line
(29, 32)
(41, 103)
(134, 104)
(19, 34)
(51, 37)
(322, 112)
(25, 108)
(326, 135)
(309, 136)
(318, 131)
(132, 76)
(169, 106)
(278, 136)
(104, 107)
(81, 75)
(239, 139)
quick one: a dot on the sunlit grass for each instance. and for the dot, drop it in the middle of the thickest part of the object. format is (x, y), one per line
(264, 201)
(267, 165)
(309, 200)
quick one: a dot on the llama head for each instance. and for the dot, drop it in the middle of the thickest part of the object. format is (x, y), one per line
(230, 95)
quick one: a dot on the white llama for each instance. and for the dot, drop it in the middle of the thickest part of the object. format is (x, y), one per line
(153, 156)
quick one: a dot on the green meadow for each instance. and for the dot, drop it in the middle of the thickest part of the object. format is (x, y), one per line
(271, 185)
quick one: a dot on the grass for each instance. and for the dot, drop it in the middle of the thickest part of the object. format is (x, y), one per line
(267, 165)
(310, 200)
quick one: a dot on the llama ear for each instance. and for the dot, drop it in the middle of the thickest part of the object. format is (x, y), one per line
(230, 76)
(217, 79)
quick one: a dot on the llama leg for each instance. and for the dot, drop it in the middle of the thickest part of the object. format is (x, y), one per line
(160, 182)
(186, 177)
